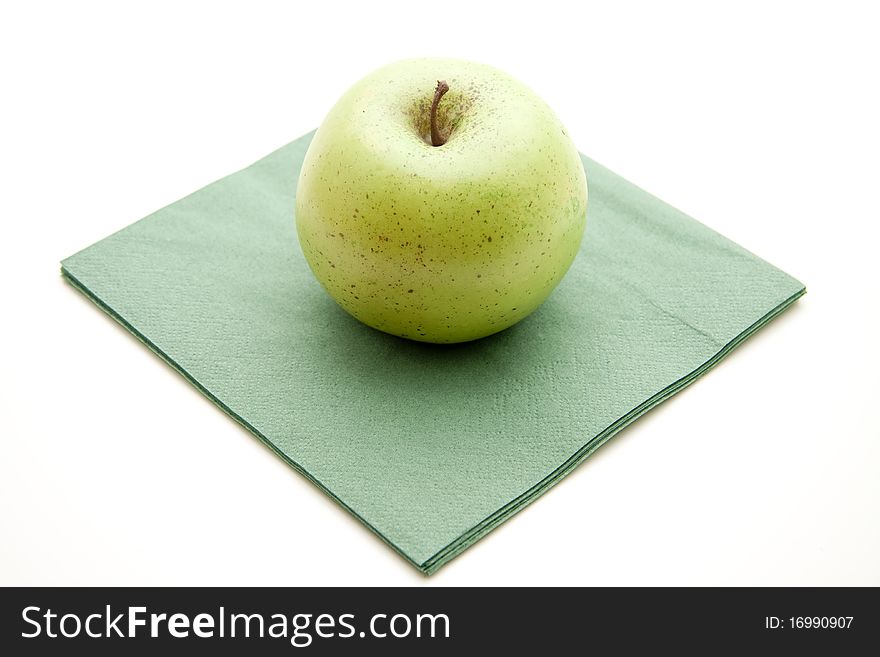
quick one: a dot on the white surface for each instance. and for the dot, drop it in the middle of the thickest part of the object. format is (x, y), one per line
(761, 121)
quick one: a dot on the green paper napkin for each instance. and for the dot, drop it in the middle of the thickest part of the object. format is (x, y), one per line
(430, 446)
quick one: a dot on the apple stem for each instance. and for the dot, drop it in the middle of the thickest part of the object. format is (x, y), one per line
(436, 137)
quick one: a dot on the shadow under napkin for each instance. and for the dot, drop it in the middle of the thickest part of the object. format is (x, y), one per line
(431, 446)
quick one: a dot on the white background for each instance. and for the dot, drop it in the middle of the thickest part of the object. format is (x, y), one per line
(761, 121)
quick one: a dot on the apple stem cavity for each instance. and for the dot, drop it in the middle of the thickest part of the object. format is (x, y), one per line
(436, 138)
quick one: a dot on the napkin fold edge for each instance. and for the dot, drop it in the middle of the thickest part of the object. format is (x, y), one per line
(80, 287)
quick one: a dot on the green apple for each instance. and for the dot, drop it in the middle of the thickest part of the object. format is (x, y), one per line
(440, 211)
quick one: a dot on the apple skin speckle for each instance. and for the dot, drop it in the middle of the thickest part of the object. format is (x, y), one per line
(508, 169)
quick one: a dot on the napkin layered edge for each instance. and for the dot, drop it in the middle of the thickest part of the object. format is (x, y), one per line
(474, 534)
